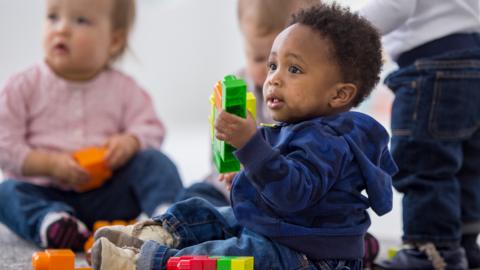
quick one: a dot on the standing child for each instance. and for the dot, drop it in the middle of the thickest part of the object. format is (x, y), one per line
(435, 127)
(298, 202)
(72, 100)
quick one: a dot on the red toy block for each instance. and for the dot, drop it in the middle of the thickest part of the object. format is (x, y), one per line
(191, 263)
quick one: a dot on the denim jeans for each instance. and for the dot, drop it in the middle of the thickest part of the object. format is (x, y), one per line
(148, 180)
(436, 145)
(203, 229)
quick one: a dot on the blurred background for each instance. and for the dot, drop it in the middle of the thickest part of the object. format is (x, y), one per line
(178, 50)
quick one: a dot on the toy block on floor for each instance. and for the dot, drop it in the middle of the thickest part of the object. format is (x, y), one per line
(55, 259)
(234, 262)
(92, 159)
(191, 263)
(231, 96)
(210, 263)
(391, 252)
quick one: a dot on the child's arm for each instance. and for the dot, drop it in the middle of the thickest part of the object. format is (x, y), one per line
(298, 174)
(60, 166)
(140, 118)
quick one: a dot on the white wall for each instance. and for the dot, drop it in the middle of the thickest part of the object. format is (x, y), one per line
(179, 49)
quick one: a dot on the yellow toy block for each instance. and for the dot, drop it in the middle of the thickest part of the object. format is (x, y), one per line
(252, 104)
(242, 263)
(391, 252)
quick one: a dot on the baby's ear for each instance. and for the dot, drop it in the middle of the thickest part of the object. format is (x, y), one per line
(119, 40)
(343, 95)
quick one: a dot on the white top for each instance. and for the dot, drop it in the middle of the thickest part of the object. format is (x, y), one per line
(406, 24)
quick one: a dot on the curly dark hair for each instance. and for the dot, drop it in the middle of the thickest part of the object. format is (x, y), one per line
(356, 44)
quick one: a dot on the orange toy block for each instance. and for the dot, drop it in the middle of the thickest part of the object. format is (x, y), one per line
(92, 159)
(54, 259)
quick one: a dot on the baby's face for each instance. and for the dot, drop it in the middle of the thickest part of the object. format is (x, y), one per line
(257, 48)
(302, 76)
(77, 37)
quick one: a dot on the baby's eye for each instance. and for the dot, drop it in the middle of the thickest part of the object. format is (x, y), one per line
(272, 66)
(294, 69)
(82, 20)
(52, 16)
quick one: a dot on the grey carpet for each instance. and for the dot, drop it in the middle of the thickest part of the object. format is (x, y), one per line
(16, 254)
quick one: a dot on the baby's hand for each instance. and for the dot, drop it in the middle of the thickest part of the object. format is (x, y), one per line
(66, 170)
(227, 178)
(121, 148)
(235, 130)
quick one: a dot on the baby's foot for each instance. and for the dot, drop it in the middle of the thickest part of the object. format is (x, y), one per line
(116, 236)
(134, 235)
(61, 230)
(106, 256)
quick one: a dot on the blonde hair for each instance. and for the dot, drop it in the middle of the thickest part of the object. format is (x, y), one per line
(269, 16)
(123, 18)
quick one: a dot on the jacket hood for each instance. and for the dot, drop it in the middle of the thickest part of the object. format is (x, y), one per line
(368, 141)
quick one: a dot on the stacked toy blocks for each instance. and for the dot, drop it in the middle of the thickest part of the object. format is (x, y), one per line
(210, 263)
(231, 96)
(92, 159)
(55, 259)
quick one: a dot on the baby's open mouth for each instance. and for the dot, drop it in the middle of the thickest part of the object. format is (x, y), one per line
(274, 103)
(61, 48)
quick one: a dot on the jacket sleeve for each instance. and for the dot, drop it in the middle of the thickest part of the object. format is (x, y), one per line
(140, 118)
(13, 122)
(299, 178)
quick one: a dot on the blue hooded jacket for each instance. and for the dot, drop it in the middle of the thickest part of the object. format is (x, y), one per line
(302, 183)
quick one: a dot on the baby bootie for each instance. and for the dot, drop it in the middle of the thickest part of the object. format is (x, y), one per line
(61, 230)
(107, 256)
(134, 235)
(426, 256)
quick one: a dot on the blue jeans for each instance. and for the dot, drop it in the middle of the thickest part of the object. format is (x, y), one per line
(148, 180)
(203, 229)
(436, 145)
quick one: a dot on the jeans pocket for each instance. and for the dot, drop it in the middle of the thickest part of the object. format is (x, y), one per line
(404, 108)
(455, 105)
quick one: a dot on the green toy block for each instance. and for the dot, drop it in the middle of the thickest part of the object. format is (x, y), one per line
(234, 97)
(223, 263)
(231, 96)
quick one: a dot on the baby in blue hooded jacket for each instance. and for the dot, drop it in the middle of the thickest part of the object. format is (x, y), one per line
(298, 202)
